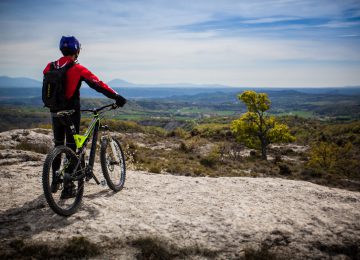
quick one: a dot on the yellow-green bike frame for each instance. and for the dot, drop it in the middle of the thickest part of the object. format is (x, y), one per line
(82, 140)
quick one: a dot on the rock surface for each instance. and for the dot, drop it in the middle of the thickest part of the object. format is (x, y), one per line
(226, 215)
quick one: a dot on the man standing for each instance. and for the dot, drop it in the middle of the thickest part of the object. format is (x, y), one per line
(74, 75)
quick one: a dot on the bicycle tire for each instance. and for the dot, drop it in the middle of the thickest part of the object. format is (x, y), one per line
(108, 168)
(59, 206)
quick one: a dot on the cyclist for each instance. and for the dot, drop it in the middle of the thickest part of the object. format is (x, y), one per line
(70, 48)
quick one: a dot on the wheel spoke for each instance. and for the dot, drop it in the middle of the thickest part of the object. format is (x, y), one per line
(113, 164)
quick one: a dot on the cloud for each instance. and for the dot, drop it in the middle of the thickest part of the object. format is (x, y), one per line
(195, 41)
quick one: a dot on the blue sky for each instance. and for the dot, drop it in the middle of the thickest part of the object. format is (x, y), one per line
(273, 43)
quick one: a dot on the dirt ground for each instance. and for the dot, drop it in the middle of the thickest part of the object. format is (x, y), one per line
(226, 215)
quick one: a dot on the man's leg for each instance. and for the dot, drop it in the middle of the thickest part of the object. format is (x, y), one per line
(59, 138)
(75, 119)
(69, 188)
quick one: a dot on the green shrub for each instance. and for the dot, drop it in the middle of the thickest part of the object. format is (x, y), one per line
(212, 130)
(309, 173)
(175, 168)
(188, 146)
(284, 169)
(155, 168)
(334, 159)
(158, 131)
(208, 161)
(178, 132)
(119, 125)
(253, 154)
(184, 148)
(199, 171)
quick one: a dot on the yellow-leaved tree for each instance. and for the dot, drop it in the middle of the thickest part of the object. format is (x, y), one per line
(255, 128)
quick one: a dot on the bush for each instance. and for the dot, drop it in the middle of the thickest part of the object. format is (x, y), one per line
(277, 159)
(158, 131)
(189, 146)
(208, 161)
(185, 147)
(284, 169)
(253, 153)
(122, 126)
(178, 132)
(212, 130)
(309, 173)
(175, 168)
(155, 168)
(334, 159)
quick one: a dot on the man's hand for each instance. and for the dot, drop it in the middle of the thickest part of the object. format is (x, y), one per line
(120, 101)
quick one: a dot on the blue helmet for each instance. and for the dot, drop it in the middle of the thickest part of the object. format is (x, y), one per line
(69, 45)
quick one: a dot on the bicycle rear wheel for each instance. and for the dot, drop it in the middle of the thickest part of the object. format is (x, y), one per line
(113, 163)
(60, 166)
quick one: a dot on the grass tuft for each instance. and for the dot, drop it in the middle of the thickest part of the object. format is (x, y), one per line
(262, 253)
(155, 248)
(76, 247)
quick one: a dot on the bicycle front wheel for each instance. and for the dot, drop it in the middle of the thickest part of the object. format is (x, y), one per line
(62, 192)
(113, 163)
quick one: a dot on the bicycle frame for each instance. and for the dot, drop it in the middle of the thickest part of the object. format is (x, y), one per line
(82, 140)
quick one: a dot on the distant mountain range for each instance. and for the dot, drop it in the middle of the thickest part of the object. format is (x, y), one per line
(9, 82)
(119, 83)
(165, 90)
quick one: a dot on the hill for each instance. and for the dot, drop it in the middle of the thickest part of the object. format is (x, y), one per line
(21, 82)
(174, 216)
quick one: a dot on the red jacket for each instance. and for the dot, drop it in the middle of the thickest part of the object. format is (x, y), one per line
(75, 75)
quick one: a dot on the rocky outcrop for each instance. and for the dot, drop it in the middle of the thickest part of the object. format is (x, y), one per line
(225, 216)
(32, 137)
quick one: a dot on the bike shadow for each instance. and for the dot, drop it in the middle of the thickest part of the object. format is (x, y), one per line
(104, 193)
(35, 217)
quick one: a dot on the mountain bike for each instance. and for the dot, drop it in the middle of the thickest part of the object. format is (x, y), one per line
(66, 170)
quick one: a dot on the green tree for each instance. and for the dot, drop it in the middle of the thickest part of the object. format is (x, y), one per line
(323, 155)
(255, 128)
(334, 159)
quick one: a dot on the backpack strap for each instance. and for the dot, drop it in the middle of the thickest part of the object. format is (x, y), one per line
(52, 65)
(69, 65)
(66, 67)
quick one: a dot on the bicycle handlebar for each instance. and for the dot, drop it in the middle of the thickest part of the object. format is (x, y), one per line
(96, 110)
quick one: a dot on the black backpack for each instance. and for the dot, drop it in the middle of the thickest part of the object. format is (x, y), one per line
(54, 84)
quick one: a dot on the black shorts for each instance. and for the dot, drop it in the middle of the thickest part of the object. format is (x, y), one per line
(61, 129)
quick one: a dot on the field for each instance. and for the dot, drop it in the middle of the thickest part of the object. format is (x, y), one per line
(190, 134)
(23, 107)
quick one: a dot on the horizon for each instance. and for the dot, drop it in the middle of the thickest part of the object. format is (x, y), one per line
(271, 44)
(179, 85)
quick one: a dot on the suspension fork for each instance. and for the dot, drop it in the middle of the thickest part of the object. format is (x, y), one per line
(112, 145)
(110, 140)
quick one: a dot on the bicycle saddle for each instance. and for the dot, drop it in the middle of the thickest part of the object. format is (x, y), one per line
(65, 112)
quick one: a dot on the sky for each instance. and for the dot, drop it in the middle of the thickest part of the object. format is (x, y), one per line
(267, 43)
